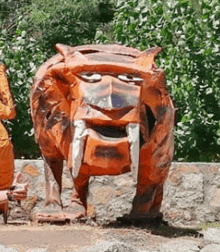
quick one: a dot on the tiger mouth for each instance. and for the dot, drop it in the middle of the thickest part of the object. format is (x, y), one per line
(129, 132)
(111, 135)
(109, 132)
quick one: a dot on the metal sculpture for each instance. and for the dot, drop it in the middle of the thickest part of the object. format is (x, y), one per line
(7, 111)
(105, 109)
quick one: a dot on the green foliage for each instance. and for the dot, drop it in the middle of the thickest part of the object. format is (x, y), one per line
(55, 22)
(188, 31)
(68, 22)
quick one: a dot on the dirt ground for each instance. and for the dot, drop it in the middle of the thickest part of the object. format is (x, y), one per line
(27, 236)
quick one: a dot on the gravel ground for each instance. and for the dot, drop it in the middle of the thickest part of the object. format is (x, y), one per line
(114, 237)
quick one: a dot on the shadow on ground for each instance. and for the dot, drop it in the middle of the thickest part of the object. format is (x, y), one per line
(161, 227)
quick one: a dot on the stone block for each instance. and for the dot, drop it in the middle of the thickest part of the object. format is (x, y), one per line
(212, 235)
(211, 248)
(191, 192)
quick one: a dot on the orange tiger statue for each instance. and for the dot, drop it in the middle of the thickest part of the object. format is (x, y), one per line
(105, 109)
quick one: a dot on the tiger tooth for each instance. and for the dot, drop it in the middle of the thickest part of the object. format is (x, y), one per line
(78, 145)
(133, 132)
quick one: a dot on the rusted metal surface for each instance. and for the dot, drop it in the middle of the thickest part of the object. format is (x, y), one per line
(104, 109)
(7, 111)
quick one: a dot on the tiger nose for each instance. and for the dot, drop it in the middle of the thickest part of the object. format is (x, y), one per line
(111, 94)
(117, 94)
(117, 101)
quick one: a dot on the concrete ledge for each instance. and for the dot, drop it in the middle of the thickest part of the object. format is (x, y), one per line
(191, 192)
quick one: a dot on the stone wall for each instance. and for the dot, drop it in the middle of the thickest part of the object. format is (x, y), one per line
(191, 192)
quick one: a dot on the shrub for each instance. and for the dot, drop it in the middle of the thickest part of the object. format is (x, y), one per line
(188, 31)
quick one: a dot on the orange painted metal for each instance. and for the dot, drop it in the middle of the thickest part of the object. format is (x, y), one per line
(110, 90)
(106, 157)
(7, 111)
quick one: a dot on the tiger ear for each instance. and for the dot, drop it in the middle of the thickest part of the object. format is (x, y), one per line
(68, 53)
(64, 50)
(147, 57)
